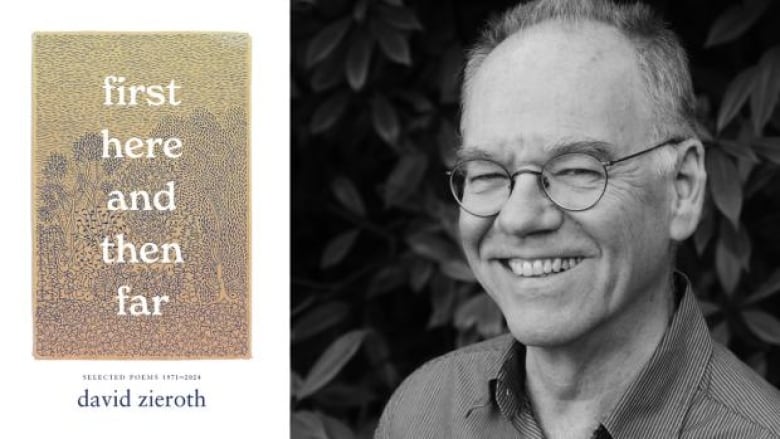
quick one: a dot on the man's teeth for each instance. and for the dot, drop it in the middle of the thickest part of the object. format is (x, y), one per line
(542, 267)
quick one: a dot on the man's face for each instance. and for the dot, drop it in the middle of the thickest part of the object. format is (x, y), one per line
(533, 95)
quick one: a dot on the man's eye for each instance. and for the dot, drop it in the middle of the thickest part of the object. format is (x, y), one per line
(486, 177)
(484, 182)
(578, 172)
(578, 177)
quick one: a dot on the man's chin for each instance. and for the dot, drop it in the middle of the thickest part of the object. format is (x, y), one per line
(546, 332)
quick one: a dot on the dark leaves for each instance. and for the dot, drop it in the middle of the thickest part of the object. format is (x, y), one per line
(769, 288)
(765, 89)
(725, 184)
(400, 18)
(326, 40)
(338, 248)
(763, 325)
(727, 258)
(458, 270)
(318, 320)
(432, 246)
(385, 119)
(737, 93)
(768, 147)
(704, 232)
(734, 21)
(394, 44)
(329, 112)
(481, 313)
(347, 194)
(405, 178)
(359, 60)
(331, 362)
(307, 425)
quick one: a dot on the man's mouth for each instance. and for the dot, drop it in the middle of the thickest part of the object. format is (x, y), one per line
(541, 267)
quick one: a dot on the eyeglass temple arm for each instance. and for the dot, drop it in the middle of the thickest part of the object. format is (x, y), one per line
(671, 141)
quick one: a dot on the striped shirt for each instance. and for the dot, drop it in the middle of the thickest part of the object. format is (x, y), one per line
(692, 387)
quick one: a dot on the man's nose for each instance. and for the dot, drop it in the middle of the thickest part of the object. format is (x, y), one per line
(528, 209)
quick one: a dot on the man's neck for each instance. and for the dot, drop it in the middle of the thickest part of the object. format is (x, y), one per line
(573, 387)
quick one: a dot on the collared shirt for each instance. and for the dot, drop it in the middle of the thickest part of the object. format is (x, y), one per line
(692, 387)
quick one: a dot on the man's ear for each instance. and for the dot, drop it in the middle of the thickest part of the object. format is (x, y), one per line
(689, 182)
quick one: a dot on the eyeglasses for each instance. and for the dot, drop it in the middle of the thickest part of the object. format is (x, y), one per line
(573, 181)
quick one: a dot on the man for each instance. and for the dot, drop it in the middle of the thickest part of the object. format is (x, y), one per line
(580, 169)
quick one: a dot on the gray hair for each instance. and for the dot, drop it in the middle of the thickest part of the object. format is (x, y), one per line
(660, 56)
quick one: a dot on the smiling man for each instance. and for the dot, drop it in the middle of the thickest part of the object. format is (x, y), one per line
(580, 170)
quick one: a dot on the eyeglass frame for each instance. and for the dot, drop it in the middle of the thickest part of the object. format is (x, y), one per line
(604, 163)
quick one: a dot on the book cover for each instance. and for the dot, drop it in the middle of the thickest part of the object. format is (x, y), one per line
(141, 211)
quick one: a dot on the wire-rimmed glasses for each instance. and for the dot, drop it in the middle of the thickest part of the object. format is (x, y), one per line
(573, 181)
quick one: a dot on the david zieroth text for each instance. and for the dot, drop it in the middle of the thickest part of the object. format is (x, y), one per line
(126, 398)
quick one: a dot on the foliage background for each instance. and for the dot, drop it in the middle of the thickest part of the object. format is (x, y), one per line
(379, 284)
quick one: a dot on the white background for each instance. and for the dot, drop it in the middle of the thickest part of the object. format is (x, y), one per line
(246, 398)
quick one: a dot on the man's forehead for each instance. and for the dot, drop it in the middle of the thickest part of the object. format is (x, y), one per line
(558, 80)
(587, 42)
(557, 53)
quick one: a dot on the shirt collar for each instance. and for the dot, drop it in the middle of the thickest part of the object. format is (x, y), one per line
(655, 404)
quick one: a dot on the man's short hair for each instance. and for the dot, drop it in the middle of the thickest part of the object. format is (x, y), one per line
(660, 56)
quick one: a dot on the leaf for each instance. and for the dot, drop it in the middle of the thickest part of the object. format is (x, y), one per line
(758, 180)
(342, 396)
(449, 71)
(758, 363)
(724, 183)
(385, 119)
(744, 247)
(318, 320)
(727, 262)
(769, 288)
(394, 44)
(329, 112)
(763, 325)
(431, 246)
(419, 274)
(736, 94)
(704, 232)
(348, 195)
(338, 248)
(387, 279)
(326, 40)
(378, 354)
(307, 425)
(417, 100)
(734, 21)
(482, 313)
(738, 150)
(708, 308)
(765, 89)
(442, 301)
(458, 270)
(330, 363)
(405, 178)
(359, 12)
(399, 17)
(359, 60)
(721, 333)
(337, 429)
(448, 140)
(327, 74)
(768, 147)
(295, 384)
